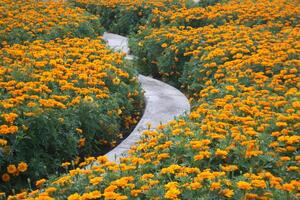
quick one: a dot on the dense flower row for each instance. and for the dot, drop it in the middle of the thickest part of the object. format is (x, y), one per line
(246, 12)
(58, 100)
(27, 20)
(125, 16)
(127, 3)
(174, 45)
(241, 140)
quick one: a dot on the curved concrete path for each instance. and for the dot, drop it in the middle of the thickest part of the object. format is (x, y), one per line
(163, 102)
(118, 43)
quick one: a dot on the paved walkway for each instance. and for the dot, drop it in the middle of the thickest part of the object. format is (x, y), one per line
(163, 102)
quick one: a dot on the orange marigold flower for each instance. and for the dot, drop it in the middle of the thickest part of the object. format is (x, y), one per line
(40, 182)
(195, 185)
(12, 169)
(285, 158)
(259, 183)
(296, 104)
(75, 196)
(3, 142)
(65, 164)
(215, 186)
(228, 193)
(135, 193)
(288, 187)
(164, 45)
(96, 180)
(5, 177)
(244, 185)
(221, 153)
(22, 166)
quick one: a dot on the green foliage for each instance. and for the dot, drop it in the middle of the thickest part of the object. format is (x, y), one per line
(124, 19)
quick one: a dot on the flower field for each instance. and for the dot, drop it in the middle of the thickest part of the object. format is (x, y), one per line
(60, 100)
(125, 16)
(25, 20)
(239, 64)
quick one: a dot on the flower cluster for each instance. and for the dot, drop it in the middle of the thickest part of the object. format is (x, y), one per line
(183, 31)
(126, 3)
(27, 20)
(61, 99)
(125, 16)
(246, 12)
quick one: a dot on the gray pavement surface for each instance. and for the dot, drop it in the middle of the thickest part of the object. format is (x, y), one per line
(163, 102)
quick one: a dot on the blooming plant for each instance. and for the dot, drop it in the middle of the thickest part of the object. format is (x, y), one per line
(163, 51)
(125, 16)
(59, 100)
(28, 20)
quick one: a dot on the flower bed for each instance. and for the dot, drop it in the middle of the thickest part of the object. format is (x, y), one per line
(61, 99)
(245, 12)
(28, 20)
(163, 51)
(125, 16)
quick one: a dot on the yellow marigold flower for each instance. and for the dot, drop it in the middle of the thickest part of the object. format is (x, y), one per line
(251, 196)
(74, 196)
(281, 124)
(259, 183)
(285, 158)
(195, 185)
(176, 131)
(3, 142)
(146, 176)
(61, 120)
(288, 187)
(215, 186)
(135, 193)
(31, 104)
(40, 182)
(163, 156)
(244, 185)
(171, 185)
(296, 104)
(172, 193)
(292, 168)
(198, 157)
(22, 166)
(110, 188)
(96, 180)
(164, 45)
(91, 195)
(145, 188)
(221, 153)
(9, 118)
(230, 88)
(21, 195)
(5, 130)
(229, 168)
(228, 193)
(65, 164)
(81, 142)
(80, 131)
(153, 182)
(116, 81)
(102, 159)
(50, 189)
